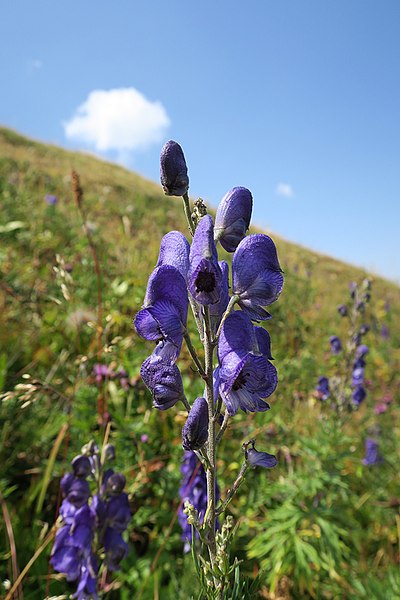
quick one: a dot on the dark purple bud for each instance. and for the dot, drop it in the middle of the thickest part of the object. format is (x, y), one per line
(81, 466)
(260, 459)
(204, 276)
(195, 430)
(358, 395)
(372, 456)
(173, 170)
(342, 310)
(364, 329)
(174, 251)
(336, 344)
(109, 452)
(233, 218)
(360, 306)
(353, 289)
(322, 388)
(163, 380)
(257, 276)
(115, 484)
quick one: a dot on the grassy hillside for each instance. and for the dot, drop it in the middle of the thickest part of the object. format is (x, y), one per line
(59, 317)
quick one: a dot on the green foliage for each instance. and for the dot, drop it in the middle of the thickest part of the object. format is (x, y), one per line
(320, 525)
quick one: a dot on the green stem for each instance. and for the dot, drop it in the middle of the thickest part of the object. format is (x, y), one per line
(239, 479)
(211, 443)
(194, 356)
(188, 214)
(228, 311)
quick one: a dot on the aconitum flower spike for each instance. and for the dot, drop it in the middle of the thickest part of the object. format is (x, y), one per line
(164, 312)
(163, 380)
(336, 344)
(245, 374)
(233, 217)
(195, 430)
(204, 277)
(257, 276)
(260, 459)
(173, 170)
(174, 251)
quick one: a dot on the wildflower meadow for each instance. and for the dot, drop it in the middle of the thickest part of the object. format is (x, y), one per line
(190, 408)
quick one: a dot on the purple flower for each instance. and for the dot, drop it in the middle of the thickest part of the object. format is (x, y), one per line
(51, 199)
(381, 408)
(102, 372)
(233, 217)
(118, 512)
(260, 459)
(358, 376)
(372, 456)
(245, 375)
(195, 430)
(204, 276)
(81, 466)
(164, 312)
(173, 170)
(385, 332)
(322, 388)
(75, 490)
(342, 310)
(163, 380)
(361, 351)
(174, 251)
(218, 309)
(257, 275)
(115, 548)
(336, 344)
(358, 395)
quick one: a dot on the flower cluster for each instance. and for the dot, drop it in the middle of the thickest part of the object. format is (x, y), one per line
(227, 307)
(84, 517)
(354, 353)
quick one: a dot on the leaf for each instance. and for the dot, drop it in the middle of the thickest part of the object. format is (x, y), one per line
(12, 226)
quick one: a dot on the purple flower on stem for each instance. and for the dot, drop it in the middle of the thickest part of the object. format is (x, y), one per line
(164, 312)
(163, 380)
(195, 430)
(361, 351)
(260, 459)
(358, 395)
(204, 277)
(342, 310)
(218, 309)
(322, 388)
(336, 344)
(245, 375)
(233, 217)
(372, 456)
(174, 251)
(358, 376)
(173, 170)
(257, 276)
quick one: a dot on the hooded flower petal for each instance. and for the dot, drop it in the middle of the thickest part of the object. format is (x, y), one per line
(218, 309)
(372, 456)
(358, 395)
(261, 459)
(173, 170)
(204, 277)
(233, 217)
(257, 277)
(163, 380)
(195, 430)
(322, 388)
(336, 344)
(174, 251)
(166, 283)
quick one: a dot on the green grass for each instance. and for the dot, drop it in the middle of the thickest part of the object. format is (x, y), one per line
(320, 525)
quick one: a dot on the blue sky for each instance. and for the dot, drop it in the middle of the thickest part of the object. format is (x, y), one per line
(298, 100)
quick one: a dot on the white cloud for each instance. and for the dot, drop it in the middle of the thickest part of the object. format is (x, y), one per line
(285, 190)
(120, 120)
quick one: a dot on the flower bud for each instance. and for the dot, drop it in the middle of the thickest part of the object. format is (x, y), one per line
(233, 217)
(81, 466)
(195, 430)
(173, 170)
(109, 452)
(116, 483)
